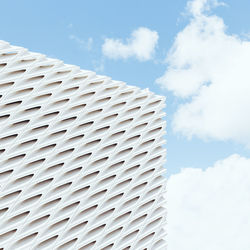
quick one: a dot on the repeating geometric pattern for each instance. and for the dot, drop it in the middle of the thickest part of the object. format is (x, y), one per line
(81, 158)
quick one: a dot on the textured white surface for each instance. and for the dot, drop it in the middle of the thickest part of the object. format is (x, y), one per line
(81, 158)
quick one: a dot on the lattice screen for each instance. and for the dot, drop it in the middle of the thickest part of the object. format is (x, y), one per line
(81, 158)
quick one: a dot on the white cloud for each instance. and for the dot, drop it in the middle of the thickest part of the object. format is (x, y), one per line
(210, 210)
(85, 44)
(211, 68)
(141, 45)
(198, 7)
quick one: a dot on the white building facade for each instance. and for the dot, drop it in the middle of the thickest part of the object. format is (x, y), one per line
(81, 158)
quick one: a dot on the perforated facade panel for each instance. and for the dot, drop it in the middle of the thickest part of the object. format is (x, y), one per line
(81, 158)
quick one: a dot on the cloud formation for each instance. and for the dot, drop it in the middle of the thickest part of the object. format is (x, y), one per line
(85, 44)
(140, 45)
(209, 209)
(209, 69)
(198, 7)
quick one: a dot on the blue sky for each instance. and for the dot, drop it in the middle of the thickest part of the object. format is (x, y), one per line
(48, 27)
(211, 44)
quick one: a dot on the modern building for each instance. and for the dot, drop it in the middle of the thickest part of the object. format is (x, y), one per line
(81, 158)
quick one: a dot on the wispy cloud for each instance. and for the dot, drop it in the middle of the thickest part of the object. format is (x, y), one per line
(84, 44)
(98, 65)
(140, 45)
(70, 25)
(211, 68)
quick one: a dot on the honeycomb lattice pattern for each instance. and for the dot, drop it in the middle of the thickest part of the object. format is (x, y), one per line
(81, 158)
